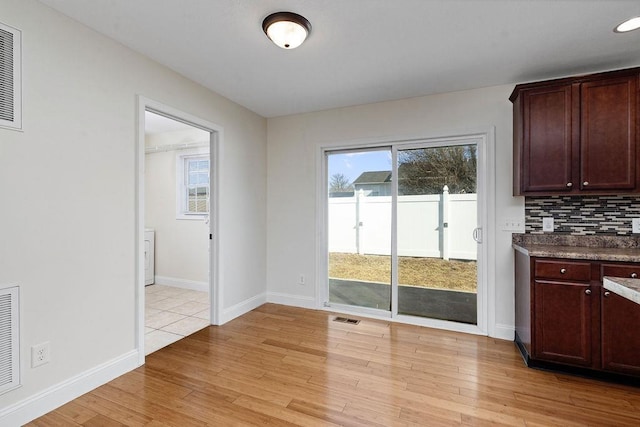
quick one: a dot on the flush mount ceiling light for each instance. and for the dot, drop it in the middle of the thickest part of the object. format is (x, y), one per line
(286, 29)
(628, 25)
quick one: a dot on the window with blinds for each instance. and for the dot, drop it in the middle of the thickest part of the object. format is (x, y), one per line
(10, 77)
(197, 185)
(192, 184)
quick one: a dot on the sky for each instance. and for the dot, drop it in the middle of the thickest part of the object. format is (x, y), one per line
(352, 165)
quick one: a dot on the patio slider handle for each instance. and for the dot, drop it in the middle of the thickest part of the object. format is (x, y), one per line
(477, 234)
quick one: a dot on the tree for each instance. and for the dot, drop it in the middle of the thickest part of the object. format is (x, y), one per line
(338, 183)
(428, 170)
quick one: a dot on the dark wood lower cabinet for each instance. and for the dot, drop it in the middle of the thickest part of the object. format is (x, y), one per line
(562, 322)
(566, 319)
(620, 334)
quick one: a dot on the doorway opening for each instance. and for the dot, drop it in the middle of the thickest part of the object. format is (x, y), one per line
(177, 206)
(403, 231)
(177, 192)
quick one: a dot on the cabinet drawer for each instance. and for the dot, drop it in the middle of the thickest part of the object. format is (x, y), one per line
(615, 270)
(564, 270)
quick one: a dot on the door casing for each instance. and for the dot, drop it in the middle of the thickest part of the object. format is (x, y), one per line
(215, 143)
(485, 140)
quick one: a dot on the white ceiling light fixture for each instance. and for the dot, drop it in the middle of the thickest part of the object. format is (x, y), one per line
(628, 25)
(286, 29)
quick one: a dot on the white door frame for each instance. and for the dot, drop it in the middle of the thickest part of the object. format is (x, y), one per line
(215, 142)
(485, 140)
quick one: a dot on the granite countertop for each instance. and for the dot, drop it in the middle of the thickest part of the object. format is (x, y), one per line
(596, 248)
(625, 287)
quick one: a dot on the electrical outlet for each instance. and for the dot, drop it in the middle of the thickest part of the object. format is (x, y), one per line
(301, 280)
(40, 354)
(635, 225)
(547, 224)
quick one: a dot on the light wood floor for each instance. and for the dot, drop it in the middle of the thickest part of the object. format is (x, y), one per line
(280, 365)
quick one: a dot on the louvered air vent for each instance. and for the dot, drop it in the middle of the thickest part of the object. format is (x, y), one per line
(9, 350)
(346, 320)
(10, 82)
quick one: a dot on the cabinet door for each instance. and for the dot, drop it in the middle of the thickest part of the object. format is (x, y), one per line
(620, 334)
(631, 271)
(562, 321)
(608, 134)
(547, 141)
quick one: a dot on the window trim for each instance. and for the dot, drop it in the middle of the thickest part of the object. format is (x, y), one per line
(181, 188)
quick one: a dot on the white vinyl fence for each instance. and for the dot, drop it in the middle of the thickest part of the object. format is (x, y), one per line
(433, 226)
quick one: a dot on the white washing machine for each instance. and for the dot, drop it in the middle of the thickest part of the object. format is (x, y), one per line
(149, 256)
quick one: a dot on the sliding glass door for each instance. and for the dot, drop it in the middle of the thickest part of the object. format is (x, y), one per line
(402, 224)
(359, 218)
(437, 216)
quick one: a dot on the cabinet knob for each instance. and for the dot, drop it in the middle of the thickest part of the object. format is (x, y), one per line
(585, 183)
(569, 184)
(634, 276)
(563, 270)
(607, 293)
(588, 291)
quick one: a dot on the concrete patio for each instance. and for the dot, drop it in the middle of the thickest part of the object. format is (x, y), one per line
(424, 302)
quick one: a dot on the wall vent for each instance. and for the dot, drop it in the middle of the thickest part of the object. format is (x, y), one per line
(9, 346)
(10, 77)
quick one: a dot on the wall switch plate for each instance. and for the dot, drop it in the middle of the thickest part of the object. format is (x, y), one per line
(40, 354)
(547, 224)
(635, 225)
(515, 225)
(301, 280)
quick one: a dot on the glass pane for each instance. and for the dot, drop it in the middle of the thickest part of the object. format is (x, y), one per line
(437, 213)
(203, 165)
(192, 178)
(203, 178)
(359, 228)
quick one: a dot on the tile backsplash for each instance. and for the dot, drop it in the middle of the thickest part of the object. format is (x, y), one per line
(582, 215)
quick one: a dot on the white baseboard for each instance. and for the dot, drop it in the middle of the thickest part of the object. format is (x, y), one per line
(292, 300)
(504, 332)
(242, 308)
(57, 395)
(182, 283)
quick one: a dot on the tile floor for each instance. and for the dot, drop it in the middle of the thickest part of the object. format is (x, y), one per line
(171, 314)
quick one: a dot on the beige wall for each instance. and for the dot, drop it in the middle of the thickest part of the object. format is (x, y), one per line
(76, 266)
(292, 208)
(72, 249)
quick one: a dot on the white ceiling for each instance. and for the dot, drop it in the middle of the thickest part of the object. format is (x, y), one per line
(364, 51)
(154, 123)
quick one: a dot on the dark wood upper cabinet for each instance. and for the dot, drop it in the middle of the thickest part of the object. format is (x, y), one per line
(608, 134)
(547, 142)
(577, 135)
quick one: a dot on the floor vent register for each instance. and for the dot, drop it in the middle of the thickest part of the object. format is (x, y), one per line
(346, 320)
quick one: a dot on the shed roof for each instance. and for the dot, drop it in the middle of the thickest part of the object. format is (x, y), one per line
(373, 177)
